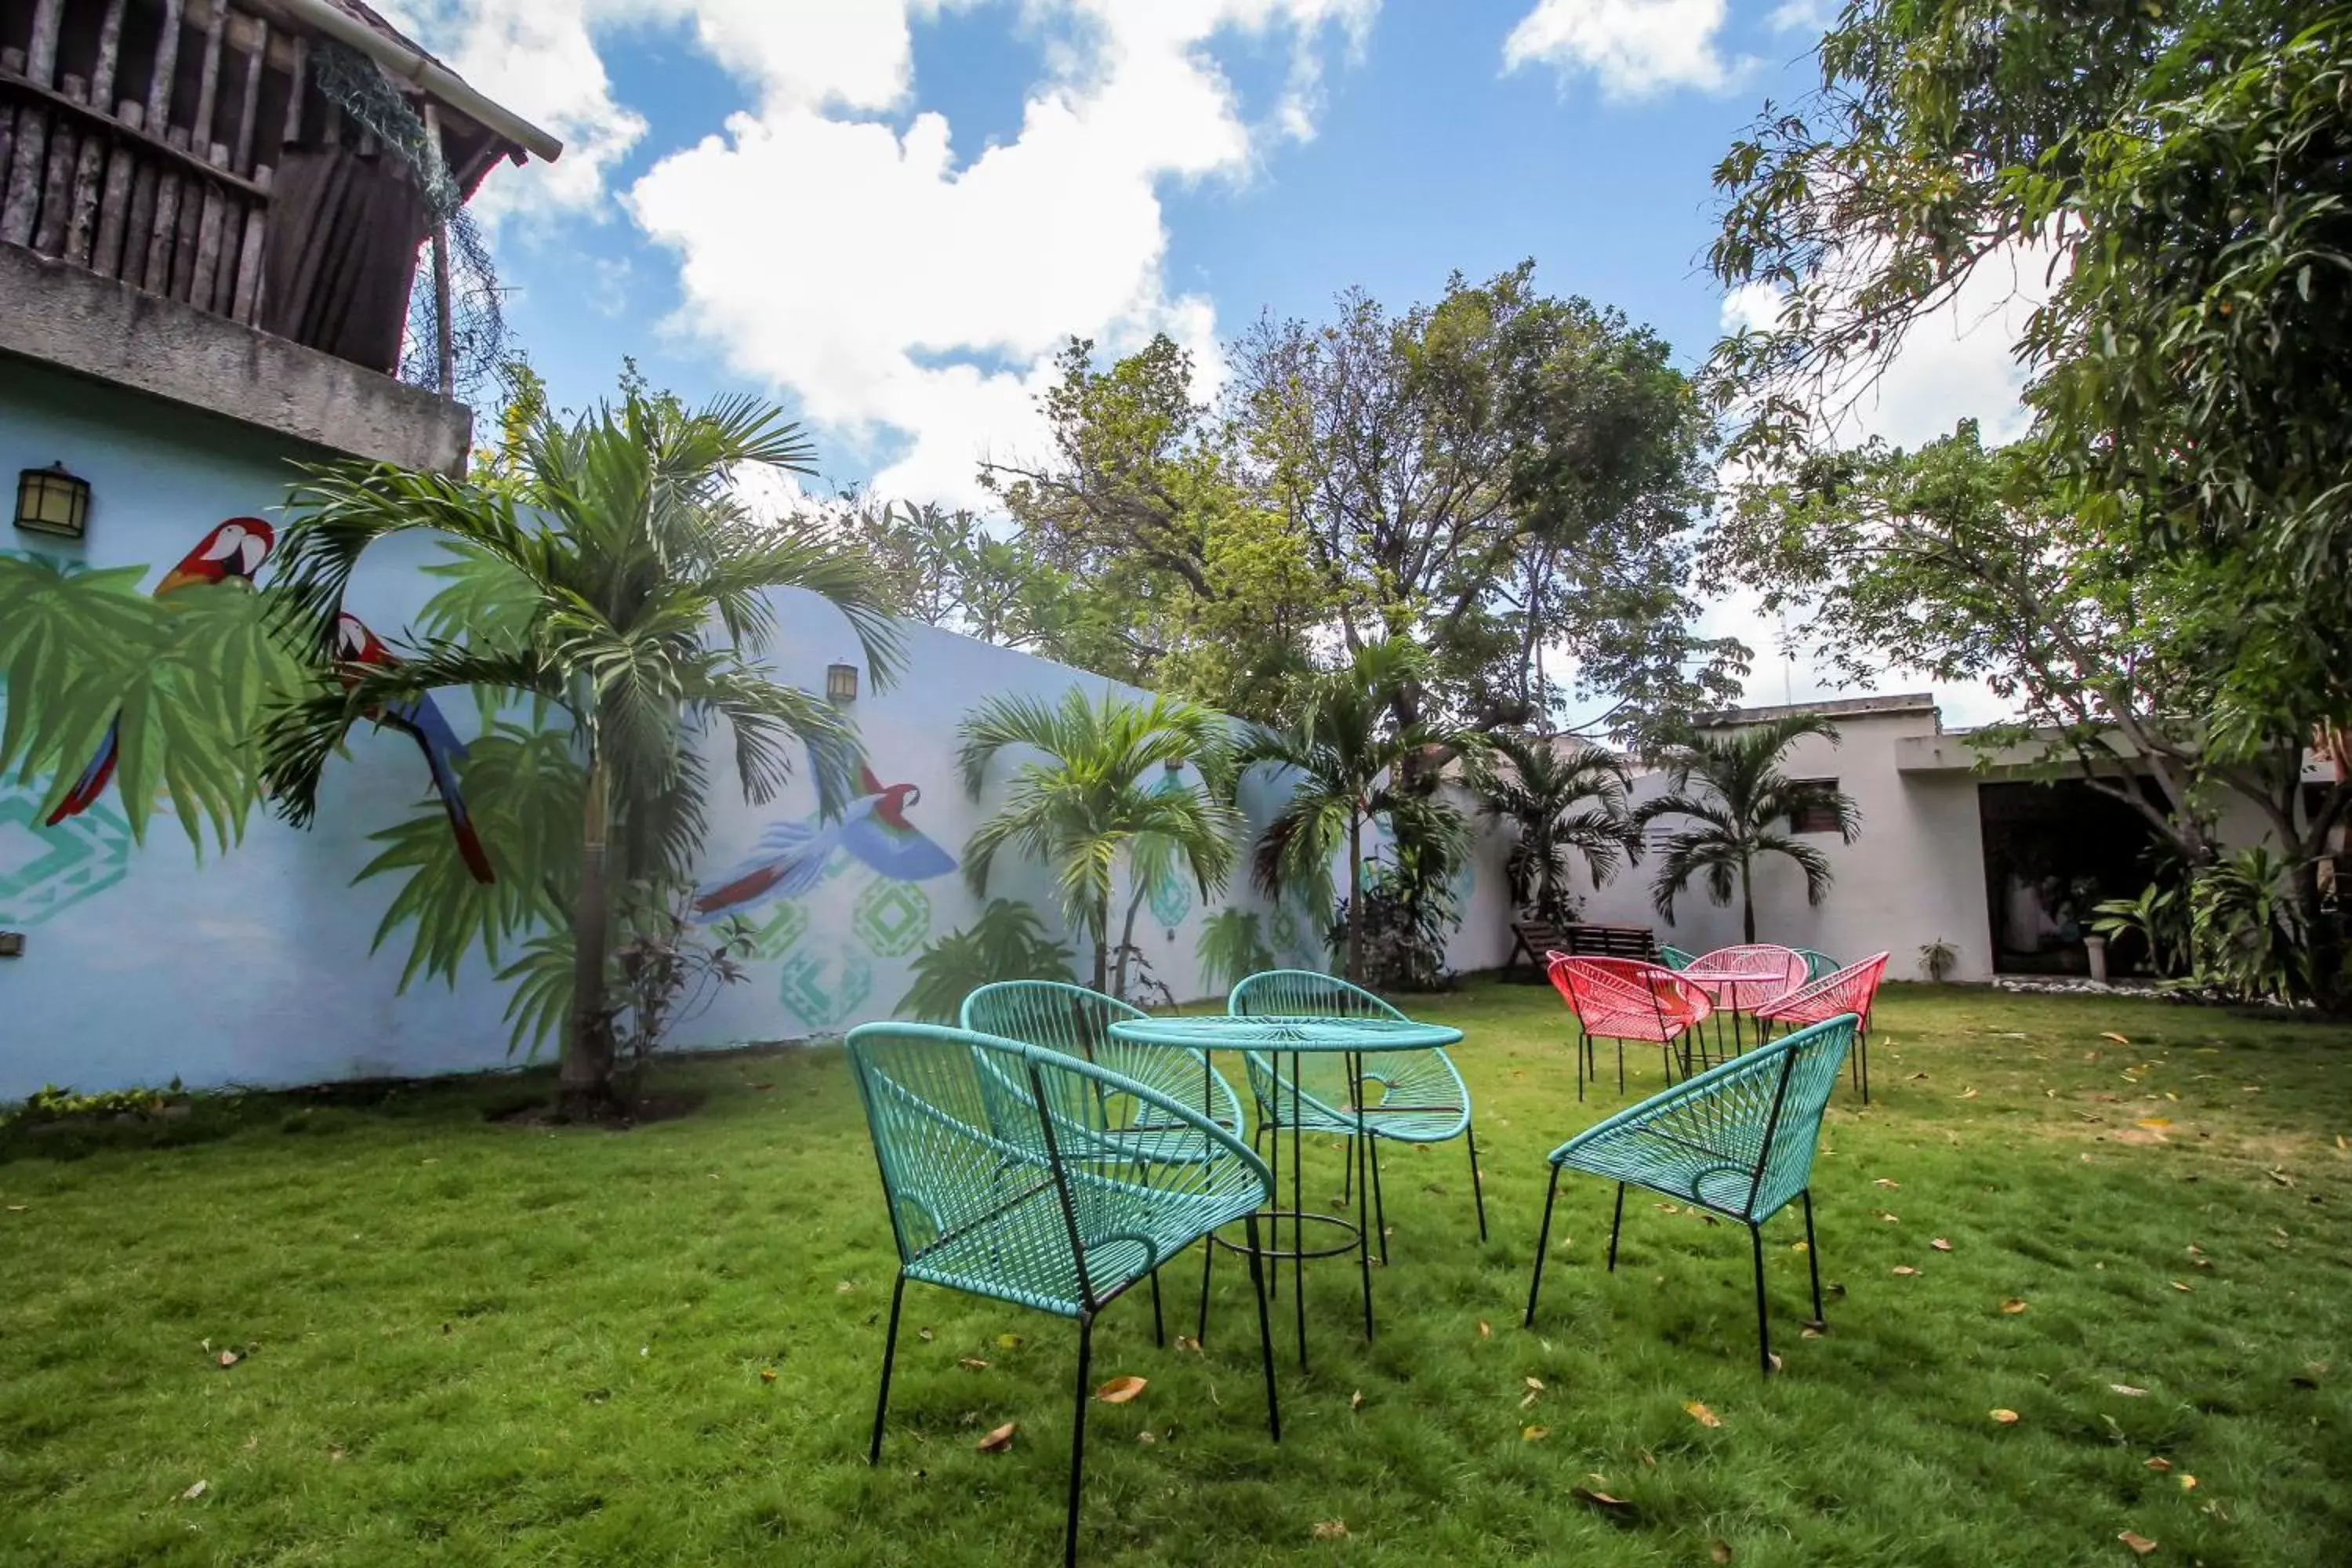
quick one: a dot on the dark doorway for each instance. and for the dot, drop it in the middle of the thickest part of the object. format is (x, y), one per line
(2053, 852)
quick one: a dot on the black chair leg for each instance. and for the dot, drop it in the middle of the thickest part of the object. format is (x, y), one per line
(1207, 1257)
(1348, 1178)
(1616, 1220)
(1379, 1209)
(1477, 1187)
(1620, 1068)
(1159, 1328)
(1862, 1060)
(889, 1353)
(1814, 1258)
(1583, 1055)
(1543, 1243)
(1264, 1332)
(1078, 1440)
(1763, 1330)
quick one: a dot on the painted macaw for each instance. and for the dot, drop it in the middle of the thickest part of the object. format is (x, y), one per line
(234, 549)
(791, 856)
(423, 722)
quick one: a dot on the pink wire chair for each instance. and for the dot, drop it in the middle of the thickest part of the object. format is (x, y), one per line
(1624, 999)
(1762, 972)
(1849, 990)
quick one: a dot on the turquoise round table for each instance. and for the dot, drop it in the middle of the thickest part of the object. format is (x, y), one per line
(1297, 1038)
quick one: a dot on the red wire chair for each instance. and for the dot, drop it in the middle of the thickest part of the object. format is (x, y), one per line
(1766, 972)
(1849, 990)
(1624, 999)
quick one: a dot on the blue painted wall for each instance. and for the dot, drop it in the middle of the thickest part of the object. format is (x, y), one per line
(252, 966)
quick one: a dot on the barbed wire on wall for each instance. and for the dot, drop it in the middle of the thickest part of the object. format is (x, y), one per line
(478, 331)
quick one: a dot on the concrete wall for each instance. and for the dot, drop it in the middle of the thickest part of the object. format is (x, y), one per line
(146, 962)
(1915, 873)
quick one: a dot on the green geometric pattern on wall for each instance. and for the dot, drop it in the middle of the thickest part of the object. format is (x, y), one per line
(892, 917)
(1170, 897)
(823, 984)
(1282, 931)
(784, 930)
(45, 870)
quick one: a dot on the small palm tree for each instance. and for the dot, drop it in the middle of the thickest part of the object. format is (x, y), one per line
(1087, 805)
(1564, 802)
(1353, 763)
(1740, 812)
(611, 576)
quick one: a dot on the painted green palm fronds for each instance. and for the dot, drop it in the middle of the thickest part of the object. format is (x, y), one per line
(1008, 941)
(186, 677)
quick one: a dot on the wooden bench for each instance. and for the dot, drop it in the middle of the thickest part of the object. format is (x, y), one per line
(1583, 939)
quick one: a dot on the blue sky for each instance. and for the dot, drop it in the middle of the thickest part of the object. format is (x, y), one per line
(888, 214)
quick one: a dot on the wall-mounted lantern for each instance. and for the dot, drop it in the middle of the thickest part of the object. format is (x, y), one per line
(841, 682)
(51, 501)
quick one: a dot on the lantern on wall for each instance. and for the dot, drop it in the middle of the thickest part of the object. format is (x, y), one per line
(51, 501)
(841, 682)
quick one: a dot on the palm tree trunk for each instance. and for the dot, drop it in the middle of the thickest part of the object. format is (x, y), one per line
(585, 1081)
(1355, 900)
(1125, 946)
(1747, 902)
(1102, 941)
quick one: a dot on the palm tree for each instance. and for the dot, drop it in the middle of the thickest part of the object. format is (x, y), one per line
(610, 574)
(1564, 802)
(1354, 761)
(1741, 812)
(1087, 805)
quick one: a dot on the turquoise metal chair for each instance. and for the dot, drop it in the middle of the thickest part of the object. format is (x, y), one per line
(1423, 1097)
(1675, 958)
(1017, 1213)
(1817, 964)
(1737, 1141)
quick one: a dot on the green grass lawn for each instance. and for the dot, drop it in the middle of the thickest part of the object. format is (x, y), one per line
(462, 1342)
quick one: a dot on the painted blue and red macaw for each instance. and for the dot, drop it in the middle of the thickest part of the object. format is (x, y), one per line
(422, 722)
(791, 856)
(233, 549)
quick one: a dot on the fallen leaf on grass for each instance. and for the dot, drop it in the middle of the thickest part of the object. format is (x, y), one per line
(1773, 1360)
(2183, 1285)
(1601, 1499)
(1485, 1330)
(229, 1358)
(1941, 1244)
(1719, 1552)
(1009, 1342)
(19, 1208)
(1968, 1094)
(924, 1334)
(2159, 1464)
(2188, 1483)
(767, 1375)
(996, 1442)
(2136, 1542)
(2280, 1177)
(845, 1287)
(972, 1363)
(1146, 1438)
(1891, 1219)
(1534, 1433)
(1884, 1182)
(1120, 1390)
(1536, 1384)
(1905, 1270)
(1187, 1343)
(2006, 1417)
(2119, 1039)
(1356, 1400)
(194, 1492)
(1331, 1530)
(2127, 1390)
(1702, 1415)
(2013, 1306)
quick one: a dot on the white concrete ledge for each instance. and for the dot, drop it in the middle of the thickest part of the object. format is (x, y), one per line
(64, 316)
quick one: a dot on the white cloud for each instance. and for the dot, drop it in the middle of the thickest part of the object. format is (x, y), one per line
(897, 290)
(1635, 47)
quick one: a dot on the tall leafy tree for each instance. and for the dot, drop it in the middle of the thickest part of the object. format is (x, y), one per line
(612, 577)
(1349, 762)
(1083, 807)
(1564, 800)
(1740, 804)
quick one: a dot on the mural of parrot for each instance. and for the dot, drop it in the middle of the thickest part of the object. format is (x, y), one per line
(423, 722)
(234, 549)
(791, 856)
